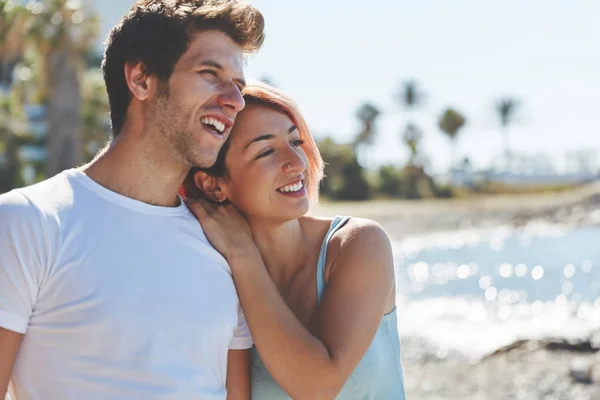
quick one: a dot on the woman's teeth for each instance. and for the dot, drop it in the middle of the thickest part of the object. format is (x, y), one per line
(292, 188)
(218, 125)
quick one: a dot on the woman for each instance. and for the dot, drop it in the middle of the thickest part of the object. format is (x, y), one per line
(318, 294)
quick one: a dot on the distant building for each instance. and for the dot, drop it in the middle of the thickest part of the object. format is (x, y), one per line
(466, 179)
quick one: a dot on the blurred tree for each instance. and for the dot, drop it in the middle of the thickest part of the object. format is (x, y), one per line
(450, 123)
(13, 135)
(13, 17)
(418, 184)
(367, 114)
(95, 114)
(61, 31)
(344, 177)
(391, 181)
(506, 109)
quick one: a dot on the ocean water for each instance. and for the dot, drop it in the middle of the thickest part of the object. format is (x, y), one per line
(473, 291)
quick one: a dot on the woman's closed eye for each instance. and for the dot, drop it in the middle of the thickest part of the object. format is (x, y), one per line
(265, 153)
(210, 72)
(294, 143)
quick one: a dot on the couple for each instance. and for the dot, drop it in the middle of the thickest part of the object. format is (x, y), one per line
(109, 287)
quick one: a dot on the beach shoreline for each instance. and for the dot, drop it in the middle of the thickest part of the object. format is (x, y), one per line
(402, 218)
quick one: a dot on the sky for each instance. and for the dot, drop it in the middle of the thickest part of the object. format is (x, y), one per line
(333, 55)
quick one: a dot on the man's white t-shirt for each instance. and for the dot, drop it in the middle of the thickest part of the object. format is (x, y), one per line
(118, 299)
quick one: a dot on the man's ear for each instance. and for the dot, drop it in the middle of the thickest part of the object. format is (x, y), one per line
(140, 84)
(210, 186)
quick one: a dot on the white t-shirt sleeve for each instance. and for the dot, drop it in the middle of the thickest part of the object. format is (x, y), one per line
(22, 258)
(242, 339)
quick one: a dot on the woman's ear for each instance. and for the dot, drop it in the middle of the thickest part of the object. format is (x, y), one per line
(210, 187)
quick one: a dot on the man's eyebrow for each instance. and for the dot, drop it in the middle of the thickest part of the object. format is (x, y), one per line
(212, 63)
(259, 138)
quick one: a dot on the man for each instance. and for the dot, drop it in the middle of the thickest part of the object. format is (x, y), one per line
(108, 286)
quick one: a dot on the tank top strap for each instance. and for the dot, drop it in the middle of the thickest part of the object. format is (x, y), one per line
(336, 224)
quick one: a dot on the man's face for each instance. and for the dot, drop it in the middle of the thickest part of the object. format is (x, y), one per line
(195, 110)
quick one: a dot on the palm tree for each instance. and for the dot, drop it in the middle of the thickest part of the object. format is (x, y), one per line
(450, 123)
(412, 137)
(367, 114)
(506, 109)
(410, 97)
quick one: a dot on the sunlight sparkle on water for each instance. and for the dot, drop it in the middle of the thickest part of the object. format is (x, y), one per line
(485, 282)
(463, 271)
(537, 272)
(421, 272)
(491, 293)
(567, 288)
(504, 296)
(569, 270)
(505, 270)
(475, 290)
(521, 270)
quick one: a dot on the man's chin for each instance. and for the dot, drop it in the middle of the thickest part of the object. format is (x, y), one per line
(202, 167)
(201, 159)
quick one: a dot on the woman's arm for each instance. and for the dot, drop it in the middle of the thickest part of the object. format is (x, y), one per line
(307, 365)
(316, 366)
(238, 375)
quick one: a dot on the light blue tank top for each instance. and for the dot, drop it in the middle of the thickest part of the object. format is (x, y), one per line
(378, 376)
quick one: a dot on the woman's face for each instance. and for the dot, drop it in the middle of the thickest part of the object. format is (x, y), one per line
(266, 166)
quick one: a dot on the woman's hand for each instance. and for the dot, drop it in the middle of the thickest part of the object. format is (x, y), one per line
(225, 228)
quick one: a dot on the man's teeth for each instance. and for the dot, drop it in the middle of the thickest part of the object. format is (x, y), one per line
(218, 125)
(292, 188)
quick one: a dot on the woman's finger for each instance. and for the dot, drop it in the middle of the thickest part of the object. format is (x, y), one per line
(197, 208)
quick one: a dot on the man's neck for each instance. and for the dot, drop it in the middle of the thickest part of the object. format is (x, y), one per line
(133, 166)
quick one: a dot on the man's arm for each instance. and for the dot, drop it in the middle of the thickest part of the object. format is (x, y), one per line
(23, 258)
(9, 346)
(238, 375)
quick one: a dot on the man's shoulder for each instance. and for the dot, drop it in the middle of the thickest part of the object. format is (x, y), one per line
(40, 198)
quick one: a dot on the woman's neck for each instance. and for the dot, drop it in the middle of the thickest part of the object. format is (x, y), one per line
(284, 246)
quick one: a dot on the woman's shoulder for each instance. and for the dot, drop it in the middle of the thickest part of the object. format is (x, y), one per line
(354, 236)
(360, 243)
(353, 227)
(358, 233)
